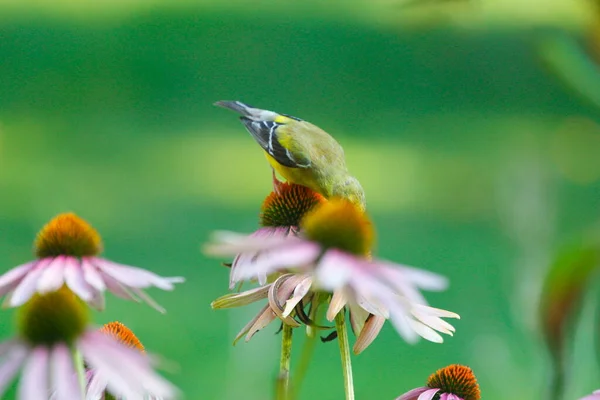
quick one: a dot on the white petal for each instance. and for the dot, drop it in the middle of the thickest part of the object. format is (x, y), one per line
(299, 292)
(425, 332)
(338, 301)
(12, 356)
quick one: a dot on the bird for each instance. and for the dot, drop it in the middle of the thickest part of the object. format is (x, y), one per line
(300, 152)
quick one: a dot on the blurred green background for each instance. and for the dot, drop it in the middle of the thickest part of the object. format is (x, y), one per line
(476, 160)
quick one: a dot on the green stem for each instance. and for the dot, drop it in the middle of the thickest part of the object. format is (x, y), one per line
(342, 333)
(80, 369)
(283, 380)
(309, 345)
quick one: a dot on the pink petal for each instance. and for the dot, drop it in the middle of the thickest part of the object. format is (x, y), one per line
(12, 356)
(369, 333)
(263, 320)
(75, 281)
(400, 322)
(52, 277)
(230, 243)
(279, 292)
(64, 377)
(358, 317)
(148, 300)
(134, 276)
(117, 289)
(10, 279)
(413, 394)
(250, 324)
(421, 278)
(96, 386)
(92, 276)
(28, 285)
(428, 394)
(334, 270)
(34, 379)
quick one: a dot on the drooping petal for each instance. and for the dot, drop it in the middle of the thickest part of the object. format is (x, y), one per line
(148, 300)
(12, 355)
(425, 331)
(225, 243)
(299, 292)
(117, 289)
(421, 278)
(358, 317)
(75, 280)
(250, 324)
(28, 285)
(11, 278)
(334, 270)
(92, 276)
(400, 321)
(279, 292)
(134, 276)
(338, 301)
(53, 276)
(64, 377)
(369, 332)
(262, 321)
(413, 394)
(34, 379)
(241, 299)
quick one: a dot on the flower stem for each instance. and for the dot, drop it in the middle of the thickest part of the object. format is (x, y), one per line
(283, 380)
(309, 344)
(79, 368)
(342, 333)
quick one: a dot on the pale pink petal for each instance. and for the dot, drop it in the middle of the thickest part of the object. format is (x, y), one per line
(299, 292)
(436, 312)
(64, 377)
(413, 394)
(52, 278)
(75, 280)
(11, 278)
(425, 331)
(241, 299)
(358, 316)
(450, 396)
(96, 386)
(12, 356)
(594, 396)
(148, 300)
(34, 378)
(401, 323)
(92, 276)
(105, 353)
(97, 301)
(134, 276)
(28, 285)
(338, 301)
(370, 331)
(250, 324)
(421, 278)
(263, 320)
(334, 270)
(117, 289)
(436, 323)
(428, 394)
(231, 244)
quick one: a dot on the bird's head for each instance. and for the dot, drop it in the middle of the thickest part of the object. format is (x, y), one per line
(350, 189)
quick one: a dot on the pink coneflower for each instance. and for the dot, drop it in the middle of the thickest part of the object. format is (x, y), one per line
(97, 385)
(455, 382)
(593, 396)
(280, 217)
(333, 249)
(53, 328)
(67, 250)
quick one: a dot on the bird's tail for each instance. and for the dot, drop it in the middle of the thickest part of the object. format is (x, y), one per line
(255, 114)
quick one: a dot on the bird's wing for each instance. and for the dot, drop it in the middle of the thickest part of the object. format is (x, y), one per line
(268, 135)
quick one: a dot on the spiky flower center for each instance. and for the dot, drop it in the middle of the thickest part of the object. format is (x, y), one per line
(287, 205)
(123, 334)
(69, 235)
(456, 379)
(339, 224)
(56, 317)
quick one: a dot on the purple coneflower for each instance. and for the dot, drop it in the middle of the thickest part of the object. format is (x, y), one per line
(455, 382)
(97, 385)
(67, 250)
(333, 249)
(53, 330)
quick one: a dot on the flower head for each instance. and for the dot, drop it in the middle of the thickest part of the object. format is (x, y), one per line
(67, 249)
(97, 382)
(52, 327)
(333, 250)
(280, 216)
(455, 382)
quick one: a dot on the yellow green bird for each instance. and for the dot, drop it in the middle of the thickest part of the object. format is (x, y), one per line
(300, 152)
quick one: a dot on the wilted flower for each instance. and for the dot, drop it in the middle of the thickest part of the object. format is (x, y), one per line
(67, 249)
(52, 327)
(455, 382)
(333, 248)
(97, 384)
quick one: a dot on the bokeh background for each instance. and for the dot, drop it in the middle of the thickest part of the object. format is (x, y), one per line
(478, 161)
